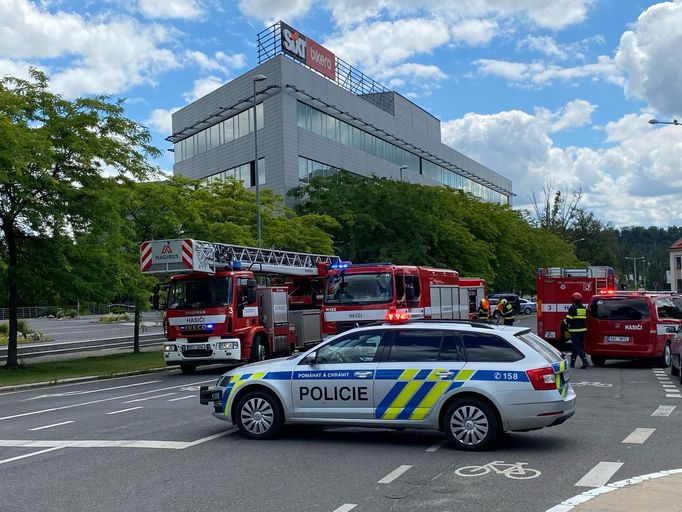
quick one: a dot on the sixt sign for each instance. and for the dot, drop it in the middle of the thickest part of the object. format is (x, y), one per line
(307, 51)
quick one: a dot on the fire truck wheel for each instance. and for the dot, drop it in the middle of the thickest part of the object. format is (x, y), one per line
(258, 350)
(259, 415)
(664, 359)
(188, 369)
(598, 360)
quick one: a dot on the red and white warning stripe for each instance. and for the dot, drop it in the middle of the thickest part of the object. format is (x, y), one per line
(187, 253)
(145, 256)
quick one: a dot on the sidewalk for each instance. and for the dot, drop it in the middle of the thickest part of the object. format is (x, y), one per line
(655, 492)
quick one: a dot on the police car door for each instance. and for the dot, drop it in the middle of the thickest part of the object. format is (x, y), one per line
(418, 367)
(340, 385)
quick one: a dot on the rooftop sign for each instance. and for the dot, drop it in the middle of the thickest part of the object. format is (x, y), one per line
(307, 51)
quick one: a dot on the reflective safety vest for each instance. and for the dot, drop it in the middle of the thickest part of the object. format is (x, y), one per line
(576, 318)
(482, 312)
(508, 311)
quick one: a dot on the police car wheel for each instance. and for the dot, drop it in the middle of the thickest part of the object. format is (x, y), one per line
(471, 424)
(526, 311)
(259, 415)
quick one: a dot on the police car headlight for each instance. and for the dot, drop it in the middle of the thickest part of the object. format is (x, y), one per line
(223, 380)
(170, 348)
(228, 345)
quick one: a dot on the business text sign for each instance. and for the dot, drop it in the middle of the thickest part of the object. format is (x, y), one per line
(307, 51)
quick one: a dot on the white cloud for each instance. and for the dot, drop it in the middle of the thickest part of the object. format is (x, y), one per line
(15, 68)
(202, 87)
(220, 61)
(171, 8)
(649, 56)
(107, 57)
(474, 32)
(544, 44)
(631, 180)
(270, 11)
(160, 120)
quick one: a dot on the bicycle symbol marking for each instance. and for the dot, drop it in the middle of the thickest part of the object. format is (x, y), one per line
(594, 384)
(515, 470)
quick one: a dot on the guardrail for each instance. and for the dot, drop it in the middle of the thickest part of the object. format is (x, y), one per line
(28, 350)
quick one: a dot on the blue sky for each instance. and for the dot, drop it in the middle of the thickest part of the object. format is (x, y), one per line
(544, 92)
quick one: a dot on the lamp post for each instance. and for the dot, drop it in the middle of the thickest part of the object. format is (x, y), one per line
(402, 168)
(656, 121)
(577, 240)
(257, 78)
(634, 262)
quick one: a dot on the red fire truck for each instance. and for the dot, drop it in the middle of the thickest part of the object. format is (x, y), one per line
(475, 287)
(361, 294)
(555, 286)
(216, 312)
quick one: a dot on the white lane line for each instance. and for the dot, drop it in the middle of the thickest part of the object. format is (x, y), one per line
(53, 425)
(436, 446)
(394, 474)
(346, 507)
(664, 410)
(101, 400)
(669, 385)
(86, 392)
(31, 454)
(639, 435)
(125, 410)
(182, 398)
(673, 396)
(211, 438)
(599, 475)
(148, 398)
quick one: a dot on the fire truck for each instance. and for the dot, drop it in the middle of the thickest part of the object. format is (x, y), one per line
(555, 285)
(216, 312)
(359, 294)
(475, 287)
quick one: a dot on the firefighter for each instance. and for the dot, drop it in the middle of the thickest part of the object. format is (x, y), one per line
(483, 312)
(575, 321)
(507, 312)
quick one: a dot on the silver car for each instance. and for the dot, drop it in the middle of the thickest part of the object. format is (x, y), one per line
(471, 380)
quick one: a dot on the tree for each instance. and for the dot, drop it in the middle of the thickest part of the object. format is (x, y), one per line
(53, 155)
(556, 211)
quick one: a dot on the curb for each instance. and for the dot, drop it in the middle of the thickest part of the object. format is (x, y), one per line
(21, 387)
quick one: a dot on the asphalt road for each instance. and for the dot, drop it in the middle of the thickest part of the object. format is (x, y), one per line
(89, 327)
(145, 442)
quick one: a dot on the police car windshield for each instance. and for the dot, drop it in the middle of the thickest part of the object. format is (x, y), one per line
(199, 293)
(367, 288)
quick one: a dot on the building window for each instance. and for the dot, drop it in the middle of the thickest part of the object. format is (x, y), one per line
(679, 285)
(339, 131)
(308, 169)
(237, 126)
(244, 173)
(678, 262)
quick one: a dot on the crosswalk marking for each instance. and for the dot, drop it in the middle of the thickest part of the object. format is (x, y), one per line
(599, 475)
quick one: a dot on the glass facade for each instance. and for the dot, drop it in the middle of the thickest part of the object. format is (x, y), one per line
(309, 168)
(332, 128)
(244, 173)
(237, 126)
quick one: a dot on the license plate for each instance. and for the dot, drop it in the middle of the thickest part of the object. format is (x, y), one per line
(196, 346)
(566, 375)
(550, 335)
(618, 339)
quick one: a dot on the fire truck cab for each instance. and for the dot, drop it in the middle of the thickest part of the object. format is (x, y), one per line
(216, 312)
(555, 286)
(359, 294)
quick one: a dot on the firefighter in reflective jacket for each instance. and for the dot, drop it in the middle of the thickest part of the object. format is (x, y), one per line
(507, 312)
(575, 320)
(483, 312)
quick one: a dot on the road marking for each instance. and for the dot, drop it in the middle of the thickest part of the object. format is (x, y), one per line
(669, 385)
(436, 446)
(210, 438)
(394, 474)
(182, 398)
(664, 410)
(52, 409)
(125, 410)
(53, 425)
(599, 475)
(148, 398)
(75, 393)
(346, 507)
(31, 454)
(673, 396)
(639, 435)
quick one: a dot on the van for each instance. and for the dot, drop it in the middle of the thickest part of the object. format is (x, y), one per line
(632, 325)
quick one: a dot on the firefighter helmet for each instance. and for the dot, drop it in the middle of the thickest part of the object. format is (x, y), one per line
(503, 301)
(577, 297)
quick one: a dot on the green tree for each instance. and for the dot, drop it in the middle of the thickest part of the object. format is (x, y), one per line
(53, 157)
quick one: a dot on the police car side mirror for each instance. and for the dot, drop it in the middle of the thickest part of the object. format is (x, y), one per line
(311, 358)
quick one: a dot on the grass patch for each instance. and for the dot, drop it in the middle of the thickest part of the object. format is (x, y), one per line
(104, 366)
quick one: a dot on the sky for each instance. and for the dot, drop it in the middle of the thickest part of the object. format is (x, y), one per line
(547, 93)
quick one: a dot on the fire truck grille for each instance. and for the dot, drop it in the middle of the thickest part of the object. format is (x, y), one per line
(197, 352)
(346, 326)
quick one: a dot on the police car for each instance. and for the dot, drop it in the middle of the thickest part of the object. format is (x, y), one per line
(471, 380)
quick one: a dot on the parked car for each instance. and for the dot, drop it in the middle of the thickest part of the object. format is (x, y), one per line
(527, 306)
(495, 298)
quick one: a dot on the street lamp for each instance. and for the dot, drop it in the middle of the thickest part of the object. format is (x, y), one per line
(402, 168)
(578, 240)
(257, 78)
(634, 262)
(656, 121)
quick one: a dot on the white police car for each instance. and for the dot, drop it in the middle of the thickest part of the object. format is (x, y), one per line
(468, 379)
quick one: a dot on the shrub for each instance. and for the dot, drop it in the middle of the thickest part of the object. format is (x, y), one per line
(67, 313)
(4, 329)
(107, 319)
(118, 310)
(23, 327)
